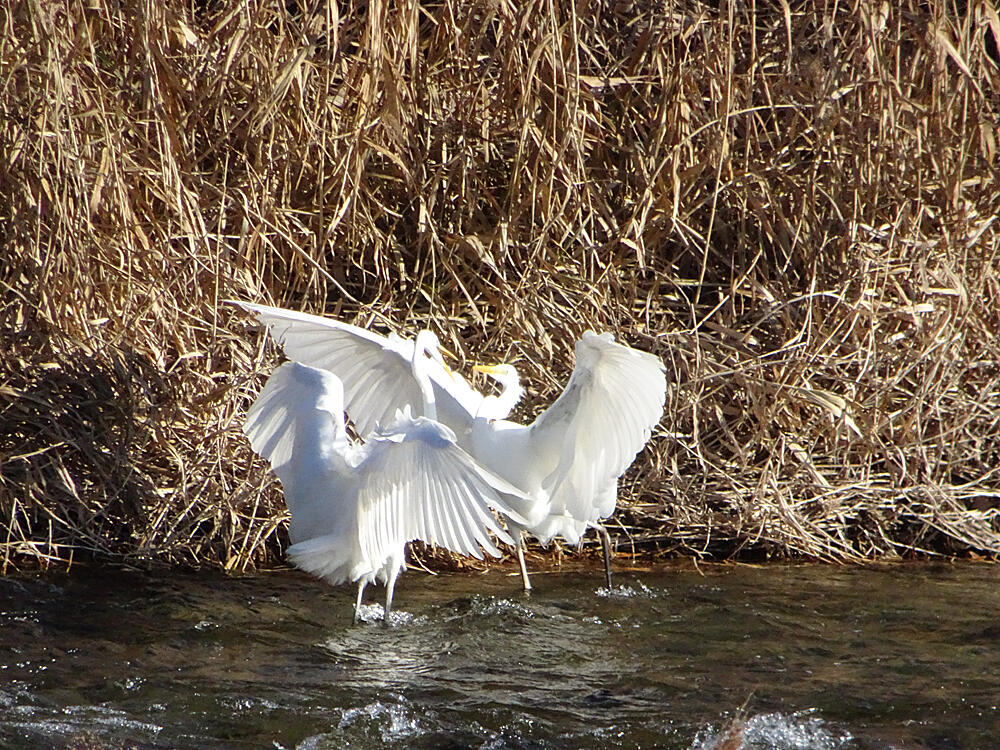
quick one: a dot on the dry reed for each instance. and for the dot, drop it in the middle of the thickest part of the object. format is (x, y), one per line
(793, 203)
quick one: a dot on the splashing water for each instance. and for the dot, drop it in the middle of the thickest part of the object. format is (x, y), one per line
(375, 613)
(774, 731)
(625, 592)
(394, 720)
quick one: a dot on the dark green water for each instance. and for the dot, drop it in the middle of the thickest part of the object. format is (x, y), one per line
(810, 657)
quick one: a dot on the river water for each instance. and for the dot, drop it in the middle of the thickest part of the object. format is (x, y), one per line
(716, 658)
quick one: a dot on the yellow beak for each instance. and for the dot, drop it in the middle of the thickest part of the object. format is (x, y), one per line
(486, 369)
(449, 354)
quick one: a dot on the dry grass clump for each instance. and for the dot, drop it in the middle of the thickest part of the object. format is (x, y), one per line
(792, 203)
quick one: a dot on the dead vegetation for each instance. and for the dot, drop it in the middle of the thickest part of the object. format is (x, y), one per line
(792, 203)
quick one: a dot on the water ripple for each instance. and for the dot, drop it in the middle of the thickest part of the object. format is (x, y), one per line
(274, 661)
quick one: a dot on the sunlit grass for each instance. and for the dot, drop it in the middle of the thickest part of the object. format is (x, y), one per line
(795, 209)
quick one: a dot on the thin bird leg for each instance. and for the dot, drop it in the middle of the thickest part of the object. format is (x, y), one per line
(520, 561)
(606, 549)
(389, 586)
(357, 604)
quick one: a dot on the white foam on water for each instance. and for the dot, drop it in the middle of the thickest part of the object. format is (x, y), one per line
(315, 742)
(81, 720)
(489, 607)
(395, 720)
(375, 613)
(774, 731)
(246, 704)
(7, 700)
(626, 592)
(390, 722)
(369, 613)
(130, 684)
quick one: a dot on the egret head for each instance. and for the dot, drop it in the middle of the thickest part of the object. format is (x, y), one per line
(504, 374)
(500, 407)
(428, 343)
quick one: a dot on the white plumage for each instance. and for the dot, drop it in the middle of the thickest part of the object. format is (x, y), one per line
(568, 461)
(377, 371)
(574, 452)
(355, 506)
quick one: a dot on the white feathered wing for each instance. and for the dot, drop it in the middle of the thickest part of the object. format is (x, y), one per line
(354, 507)
(375, 370)
(610, 406)
(570, 458)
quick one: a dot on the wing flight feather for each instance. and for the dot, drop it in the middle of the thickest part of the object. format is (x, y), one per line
(438, 494)
(602, 419)
(376, 370)
(297, 424)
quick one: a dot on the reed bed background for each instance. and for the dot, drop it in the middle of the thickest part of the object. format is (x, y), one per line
(792, 203)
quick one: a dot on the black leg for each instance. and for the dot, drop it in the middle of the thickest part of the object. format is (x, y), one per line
(606, 549)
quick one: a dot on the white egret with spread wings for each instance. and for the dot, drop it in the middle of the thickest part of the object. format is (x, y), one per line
(568, 460)
(355, 506)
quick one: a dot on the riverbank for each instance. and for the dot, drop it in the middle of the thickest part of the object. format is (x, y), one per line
(795, 210)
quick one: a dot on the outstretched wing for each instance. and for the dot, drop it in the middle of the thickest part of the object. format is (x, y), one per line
(418, 484)
(599, 423)
(297, 423)
(375, 370)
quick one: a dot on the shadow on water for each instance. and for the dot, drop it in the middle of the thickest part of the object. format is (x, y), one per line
(781, 658)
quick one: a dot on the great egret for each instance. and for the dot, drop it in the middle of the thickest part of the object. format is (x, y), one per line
(570, 458)
(567, 461)
(355, 506)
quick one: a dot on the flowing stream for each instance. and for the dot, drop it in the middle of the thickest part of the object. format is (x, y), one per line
(725, 657)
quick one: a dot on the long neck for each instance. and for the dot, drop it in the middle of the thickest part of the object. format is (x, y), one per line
(500, 407)
(418, 366)
(510, 395)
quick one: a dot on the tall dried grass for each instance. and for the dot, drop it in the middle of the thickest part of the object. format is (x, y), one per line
(793, 203)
